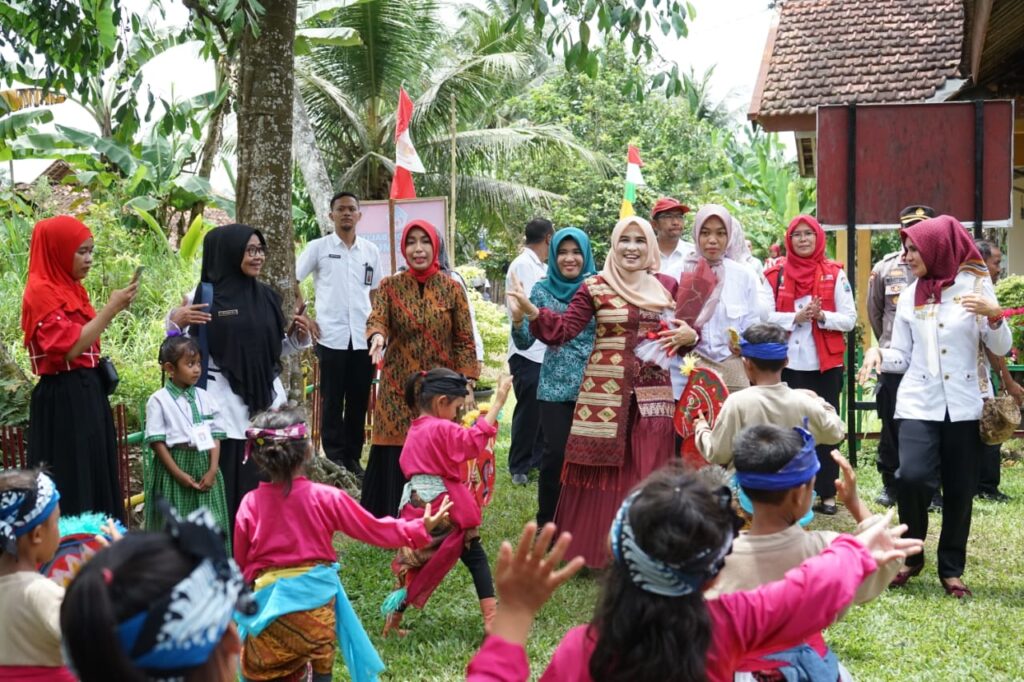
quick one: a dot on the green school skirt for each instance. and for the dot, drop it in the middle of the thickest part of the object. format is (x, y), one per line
(186, 500)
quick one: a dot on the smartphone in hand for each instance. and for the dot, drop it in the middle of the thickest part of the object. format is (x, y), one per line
(301, 311)
(138, 273)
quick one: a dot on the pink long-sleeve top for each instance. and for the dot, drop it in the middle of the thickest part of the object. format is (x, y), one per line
(274, 530)
(775, 616)
(440, 447)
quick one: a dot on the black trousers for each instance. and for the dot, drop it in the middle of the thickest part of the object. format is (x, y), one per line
(934, 453)
(888, 441)
(991, 459)
(555, 420)
(826, 384)
(527, 447)
(474, 558)
(345, 377)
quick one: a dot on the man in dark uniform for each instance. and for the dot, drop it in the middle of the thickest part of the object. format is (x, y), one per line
(888, 279)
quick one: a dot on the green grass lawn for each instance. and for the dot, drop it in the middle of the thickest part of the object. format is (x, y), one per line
(915, 634)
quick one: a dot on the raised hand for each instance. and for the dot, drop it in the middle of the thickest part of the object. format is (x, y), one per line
(846, 489)
(887, 543)
(433, 520)
(376, 349)
(188, 314)
(519, 304)
(527, 576)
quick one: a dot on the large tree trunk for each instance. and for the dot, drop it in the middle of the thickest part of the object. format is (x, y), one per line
(264, 187)
(311, 163)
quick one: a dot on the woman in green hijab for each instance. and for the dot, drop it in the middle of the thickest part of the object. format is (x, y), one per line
(562, 370)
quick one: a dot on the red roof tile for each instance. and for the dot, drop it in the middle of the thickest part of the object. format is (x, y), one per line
(863, 51)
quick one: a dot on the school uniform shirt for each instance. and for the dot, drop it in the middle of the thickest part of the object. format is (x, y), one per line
(343, 277)
(30, 621)
(529, 269)
(172, 413)
(672, 264)
(771, 404)
(803, 352)
(233, 417)
(936, 346)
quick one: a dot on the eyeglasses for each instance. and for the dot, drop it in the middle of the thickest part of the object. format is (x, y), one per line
(254, 251)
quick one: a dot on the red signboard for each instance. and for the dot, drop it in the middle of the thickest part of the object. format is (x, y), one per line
(915, 154)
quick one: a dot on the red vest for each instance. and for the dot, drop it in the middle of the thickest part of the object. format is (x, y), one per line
(830, 344)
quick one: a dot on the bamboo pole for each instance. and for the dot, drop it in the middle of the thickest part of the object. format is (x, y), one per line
(451, 191)
(391, 233)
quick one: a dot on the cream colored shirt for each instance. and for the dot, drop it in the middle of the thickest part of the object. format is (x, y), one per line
(775, 404)
(30, 620)
(759, 559)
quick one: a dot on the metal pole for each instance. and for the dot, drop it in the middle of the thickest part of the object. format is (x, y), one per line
(451, 191)
(851, 251)
(391, 233)
(979, 166)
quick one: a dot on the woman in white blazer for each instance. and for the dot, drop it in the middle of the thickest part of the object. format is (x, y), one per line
(941, 320)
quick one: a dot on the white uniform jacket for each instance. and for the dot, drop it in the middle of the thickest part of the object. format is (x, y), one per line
(937, 347)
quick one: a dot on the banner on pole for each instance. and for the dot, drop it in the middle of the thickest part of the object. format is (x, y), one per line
(374, 223)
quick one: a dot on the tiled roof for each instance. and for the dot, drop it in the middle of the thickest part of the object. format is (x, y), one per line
(863, 51)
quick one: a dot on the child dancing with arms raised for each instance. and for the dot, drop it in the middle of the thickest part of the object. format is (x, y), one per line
(283, 543)
(183, 431)
(433, 459)
(652, 624)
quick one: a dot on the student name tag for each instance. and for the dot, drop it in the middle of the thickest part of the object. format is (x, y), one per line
(227, 313)
(367, 275)
(334, 255)
(202, 437)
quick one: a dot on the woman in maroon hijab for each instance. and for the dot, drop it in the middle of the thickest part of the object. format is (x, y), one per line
(940, 321)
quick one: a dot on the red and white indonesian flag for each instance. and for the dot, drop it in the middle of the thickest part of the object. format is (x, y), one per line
(407, 161)
(634, 179)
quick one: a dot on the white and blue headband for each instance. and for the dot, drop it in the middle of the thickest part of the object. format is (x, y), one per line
(181, 630)
(23, 509)
(656, 576)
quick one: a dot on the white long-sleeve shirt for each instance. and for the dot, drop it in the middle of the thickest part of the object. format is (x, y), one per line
(803, 353)
(937, 347)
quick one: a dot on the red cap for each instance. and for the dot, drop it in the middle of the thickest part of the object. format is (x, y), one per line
(667, 204)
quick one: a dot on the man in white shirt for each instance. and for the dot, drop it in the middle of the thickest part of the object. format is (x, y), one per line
(667, 221)
(527, 445)
(347, 271)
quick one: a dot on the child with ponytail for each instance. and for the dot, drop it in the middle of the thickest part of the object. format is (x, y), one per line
(433, 459)
(283, 544)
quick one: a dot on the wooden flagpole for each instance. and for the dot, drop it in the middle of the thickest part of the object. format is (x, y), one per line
(451, 191)
(391, 233)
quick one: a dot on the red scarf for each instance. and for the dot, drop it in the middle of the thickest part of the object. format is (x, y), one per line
(50, 284)
(802, 272)
(422, 276)
(945, 248)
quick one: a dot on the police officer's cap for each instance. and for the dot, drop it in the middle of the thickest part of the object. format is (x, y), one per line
(915, 213)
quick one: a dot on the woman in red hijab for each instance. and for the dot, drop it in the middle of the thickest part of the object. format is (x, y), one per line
(941, 319)
(421, 317)
(71, 428)
(814, 303)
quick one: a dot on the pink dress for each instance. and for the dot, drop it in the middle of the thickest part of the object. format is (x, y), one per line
(273, 531)
(439, 447)
(622, 422)
(775, 616)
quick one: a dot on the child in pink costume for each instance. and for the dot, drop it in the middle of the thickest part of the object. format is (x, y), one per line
(433, 459)
(669, 540)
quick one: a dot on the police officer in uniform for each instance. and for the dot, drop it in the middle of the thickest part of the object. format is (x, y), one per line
(889, 278)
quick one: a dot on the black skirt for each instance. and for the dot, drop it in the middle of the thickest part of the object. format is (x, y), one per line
(71, 432)
(239, 477)
(383, 482)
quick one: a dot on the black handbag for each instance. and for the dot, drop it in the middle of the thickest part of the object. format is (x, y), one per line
(108, 375)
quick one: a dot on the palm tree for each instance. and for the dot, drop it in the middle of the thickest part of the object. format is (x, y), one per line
(350, 94)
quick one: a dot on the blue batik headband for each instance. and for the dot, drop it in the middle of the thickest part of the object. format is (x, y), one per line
(23, 509)
(181, 630)
(656, 576)
(764, 351)
(797, 471)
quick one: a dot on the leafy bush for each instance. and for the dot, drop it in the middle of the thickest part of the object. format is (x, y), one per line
(1010, 292)
(492, 321)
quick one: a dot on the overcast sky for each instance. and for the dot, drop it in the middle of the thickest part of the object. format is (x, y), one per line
(727, 34)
